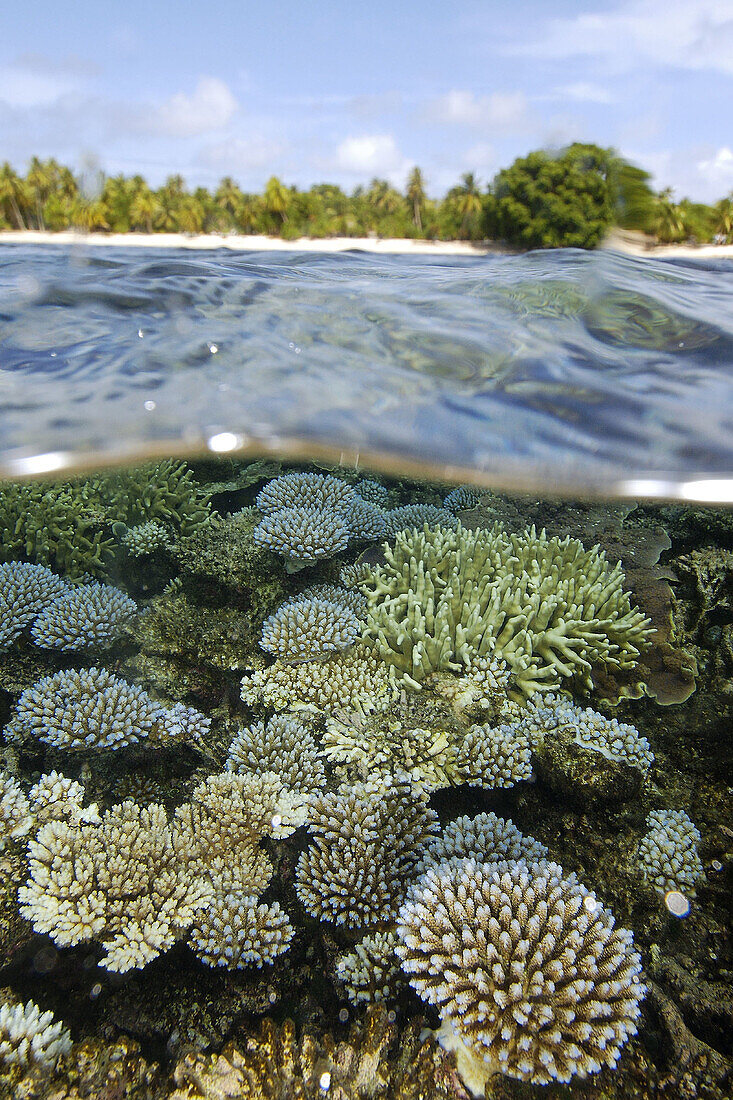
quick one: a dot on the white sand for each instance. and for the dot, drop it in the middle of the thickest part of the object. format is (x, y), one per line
(237, 243)
(633, 244)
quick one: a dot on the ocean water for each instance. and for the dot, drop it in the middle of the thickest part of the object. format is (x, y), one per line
(366, 676)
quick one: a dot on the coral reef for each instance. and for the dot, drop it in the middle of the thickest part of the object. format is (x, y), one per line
(668, 854)
(368, 842)
(371, 972)
(284, 746)
(547, 607)
(144, 539)
(88, 616)
(31, 1037)
(367, 521)
(379, 746)
(350, 680)
(529, 973)
(309, 627)
(136, 882)
(120, 882)
(93, 708)
(375, 1060)
(462, 498)
(24, 591)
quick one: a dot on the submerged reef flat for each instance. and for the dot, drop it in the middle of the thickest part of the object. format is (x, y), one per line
(316, 783)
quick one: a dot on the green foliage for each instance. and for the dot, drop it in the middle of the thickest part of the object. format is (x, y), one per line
(540, 201)
(545, 201)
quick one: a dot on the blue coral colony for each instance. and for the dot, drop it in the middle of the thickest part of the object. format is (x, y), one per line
(397, 650)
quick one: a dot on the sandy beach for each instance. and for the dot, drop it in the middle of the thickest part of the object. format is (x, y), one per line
(633, 244)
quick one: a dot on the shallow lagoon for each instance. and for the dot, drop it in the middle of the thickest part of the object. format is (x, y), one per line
(299, 760)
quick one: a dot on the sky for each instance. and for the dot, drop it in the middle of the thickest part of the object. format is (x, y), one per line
(340, 91)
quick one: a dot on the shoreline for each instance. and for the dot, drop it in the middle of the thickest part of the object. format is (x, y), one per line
(631, 244)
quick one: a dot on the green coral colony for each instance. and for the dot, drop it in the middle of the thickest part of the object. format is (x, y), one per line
(255, 713)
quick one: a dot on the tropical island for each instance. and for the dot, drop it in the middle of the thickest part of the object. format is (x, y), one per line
(568, 198)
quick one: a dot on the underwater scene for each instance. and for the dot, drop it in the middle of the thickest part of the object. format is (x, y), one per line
(373, 740)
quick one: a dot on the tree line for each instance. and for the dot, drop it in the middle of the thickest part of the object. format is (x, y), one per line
(543, 200)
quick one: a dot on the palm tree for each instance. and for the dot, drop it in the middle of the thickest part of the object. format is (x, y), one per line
(14, 194)
(668, 223)
(277, 199)
(724, 219)
(39, 178)
(229, 198)
(89, 214)
(468, 201)
(415, 195)
(143, 209)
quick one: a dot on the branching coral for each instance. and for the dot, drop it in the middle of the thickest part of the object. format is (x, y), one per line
(461, 498)
(284, 746)
(31, 1037)
(136, 882)
(371, 972)
(356, 678)
(367, 521)
(53, 525)
(411, 516)
(306, 517)
(612, 739)
(309, 627)
(373, 492)
(144, 539)
(379, 746)
(24, 591)
(545, 606)
(485, 838)
(15, 812)
(304, 490)
(91, 615)
(235, 931)
(668, 854)
(93, 708)
(526, 967)
(368, 843)
(119, 882)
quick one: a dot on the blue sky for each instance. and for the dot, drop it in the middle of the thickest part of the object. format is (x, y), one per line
(315, 90)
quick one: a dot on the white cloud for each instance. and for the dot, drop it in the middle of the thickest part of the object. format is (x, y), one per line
(371, 154)
(240, 156)
(694, 34)
(585, 92)
(34, 81)
(718, 170)
(498, 111)
(210, 107)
